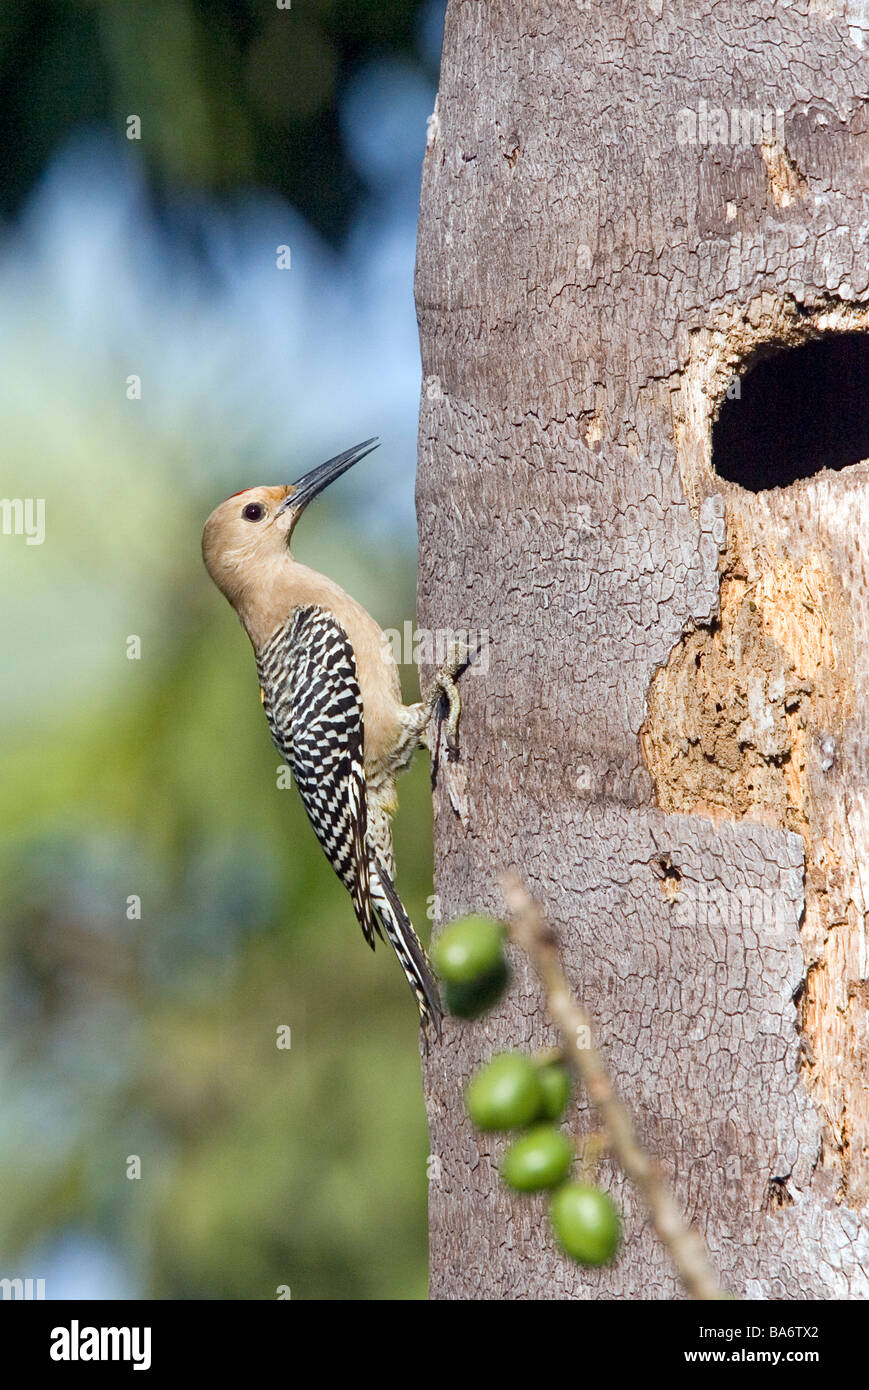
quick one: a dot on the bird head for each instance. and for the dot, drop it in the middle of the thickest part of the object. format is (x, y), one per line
(252, 529)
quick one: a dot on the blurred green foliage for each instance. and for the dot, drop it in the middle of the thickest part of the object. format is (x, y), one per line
(157, 1037)
(231, 93)
(154, 777)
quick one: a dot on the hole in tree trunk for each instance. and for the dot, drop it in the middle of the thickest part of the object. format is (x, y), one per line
(795, 411)
(669, 876)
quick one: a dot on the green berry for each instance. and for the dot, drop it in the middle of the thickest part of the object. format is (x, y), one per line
(586, 1223)
(541, 1158)
(469, 950)
(474, 998)
(505, 1093)
(554, 1081)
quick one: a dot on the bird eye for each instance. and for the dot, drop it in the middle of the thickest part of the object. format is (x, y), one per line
(254, 511)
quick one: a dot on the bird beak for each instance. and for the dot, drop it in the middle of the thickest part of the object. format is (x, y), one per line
(313, 483)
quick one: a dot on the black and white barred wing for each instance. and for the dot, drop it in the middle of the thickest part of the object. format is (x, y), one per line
(314, 709)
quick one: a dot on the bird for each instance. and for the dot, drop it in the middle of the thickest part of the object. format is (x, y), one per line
(330, 690)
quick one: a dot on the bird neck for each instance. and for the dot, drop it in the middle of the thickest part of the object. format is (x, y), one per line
(286, 585)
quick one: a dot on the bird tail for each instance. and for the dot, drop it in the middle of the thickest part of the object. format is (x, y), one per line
(390, 913)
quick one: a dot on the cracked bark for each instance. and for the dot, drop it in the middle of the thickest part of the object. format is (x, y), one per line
(587, 284)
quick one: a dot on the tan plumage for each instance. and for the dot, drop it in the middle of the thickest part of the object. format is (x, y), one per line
(253, 567)
(344, 751)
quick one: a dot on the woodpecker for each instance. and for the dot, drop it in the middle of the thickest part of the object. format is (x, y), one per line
(331, 694)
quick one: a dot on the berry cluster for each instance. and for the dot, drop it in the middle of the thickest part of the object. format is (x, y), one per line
(513, 1091)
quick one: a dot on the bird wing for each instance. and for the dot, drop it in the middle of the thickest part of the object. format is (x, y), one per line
(314, 708)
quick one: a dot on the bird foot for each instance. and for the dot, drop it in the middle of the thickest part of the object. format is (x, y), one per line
(444, 690)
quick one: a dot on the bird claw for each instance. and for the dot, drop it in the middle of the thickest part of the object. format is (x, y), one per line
(444, 688)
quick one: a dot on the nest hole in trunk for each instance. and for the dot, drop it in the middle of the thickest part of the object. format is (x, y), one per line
(795, 411)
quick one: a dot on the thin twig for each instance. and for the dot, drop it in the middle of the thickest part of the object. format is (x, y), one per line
(687, 1251)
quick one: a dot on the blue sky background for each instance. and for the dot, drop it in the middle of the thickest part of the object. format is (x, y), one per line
(249, 374)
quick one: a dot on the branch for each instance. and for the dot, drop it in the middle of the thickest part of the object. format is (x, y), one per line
(529, 930)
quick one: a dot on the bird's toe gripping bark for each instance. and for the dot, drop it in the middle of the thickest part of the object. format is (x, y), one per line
(444, 688)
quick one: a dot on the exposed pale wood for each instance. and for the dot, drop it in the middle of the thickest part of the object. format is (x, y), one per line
(586, 285)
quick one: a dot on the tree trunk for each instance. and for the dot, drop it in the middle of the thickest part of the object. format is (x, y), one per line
(625, 209)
